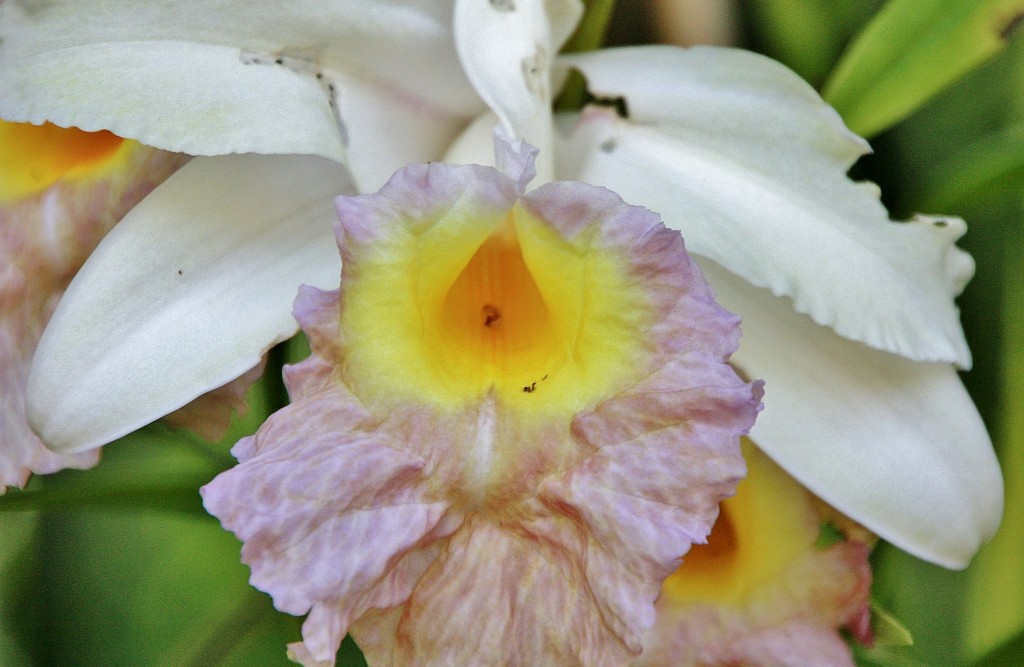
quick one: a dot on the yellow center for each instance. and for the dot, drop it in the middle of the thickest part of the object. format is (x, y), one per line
(465, 307)
(768, 524)
(493, 325)
(34, 157)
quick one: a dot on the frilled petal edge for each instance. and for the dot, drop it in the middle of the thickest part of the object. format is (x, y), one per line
(746, 160)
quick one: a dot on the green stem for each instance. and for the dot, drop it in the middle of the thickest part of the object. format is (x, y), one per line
(589, 35)
(590, 32)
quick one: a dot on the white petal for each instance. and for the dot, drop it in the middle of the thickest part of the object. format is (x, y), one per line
(507, 48)
(185, 294)
(203, 78)
(475, 144)
(895, 444)
(745, 158)
(387, 131)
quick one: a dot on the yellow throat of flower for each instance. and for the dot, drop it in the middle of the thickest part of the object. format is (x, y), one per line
(34, 157)
(506, 306)
(768, 524)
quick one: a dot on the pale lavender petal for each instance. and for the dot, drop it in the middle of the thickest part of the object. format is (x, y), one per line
(400, 488)
(507, 595)
(321, 485)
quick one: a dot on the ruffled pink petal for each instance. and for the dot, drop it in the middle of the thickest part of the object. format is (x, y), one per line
(43, 241)
(486, 530)
(313, 481)
(504, 595)
(209, 416)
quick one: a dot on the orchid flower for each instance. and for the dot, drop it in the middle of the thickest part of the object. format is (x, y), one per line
(848, 315)
(765, 591)
(60, 192)
(515, 401)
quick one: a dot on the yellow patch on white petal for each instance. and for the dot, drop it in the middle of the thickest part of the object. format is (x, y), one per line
(504, 307)
(34, 157)
(767, 525)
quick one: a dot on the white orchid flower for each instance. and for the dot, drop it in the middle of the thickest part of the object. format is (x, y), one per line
(847, 315)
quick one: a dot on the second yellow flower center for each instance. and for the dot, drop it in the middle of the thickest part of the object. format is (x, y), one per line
(768, 524)
(34, 157)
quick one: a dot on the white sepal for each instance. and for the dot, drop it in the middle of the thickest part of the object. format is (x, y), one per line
(750, 164)
(185, 294)
(507, 48)
(896, 445)
(216, 78)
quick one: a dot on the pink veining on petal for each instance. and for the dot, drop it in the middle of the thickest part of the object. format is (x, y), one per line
(486, 530)
(44, 240)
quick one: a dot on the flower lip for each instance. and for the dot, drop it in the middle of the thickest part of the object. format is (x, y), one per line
(547, 318)
(577, 492)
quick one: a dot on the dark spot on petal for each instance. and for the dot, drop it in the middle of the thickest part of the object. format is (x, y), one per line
(492, 316)
(504, 6)
(608, 145)
(940, 223)
(180, 273)
(279, 61)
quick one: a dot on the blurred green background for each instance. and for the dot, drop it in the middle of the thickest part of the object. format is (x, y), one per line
(121, 566)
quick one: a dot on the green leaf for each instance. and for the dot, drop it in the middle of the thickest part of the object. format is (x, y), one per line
(927, 600)
(19, 610)
(589, 35)
(590, 32)
(828, 534)
(891, 640)
(911, 50)
(996, 593)
(991, 164)
(1007, 654)
(146, 588)
(887, 628)
(806, 35)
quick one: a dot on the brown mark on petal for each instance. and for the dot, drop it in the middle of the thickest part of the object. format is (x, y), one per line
(492, 316)
(533, 69)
